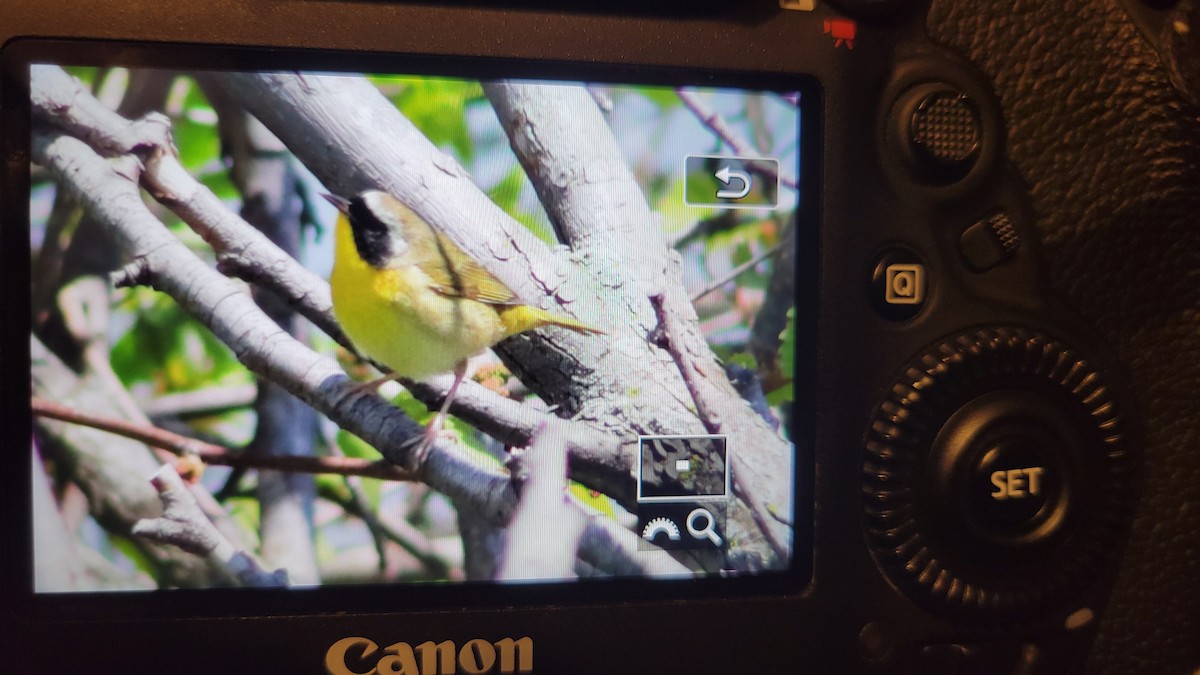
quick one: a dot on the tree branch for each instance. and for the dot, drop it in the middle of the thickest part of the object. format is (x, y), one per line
(591, 196)
(737, 272)
(183, 524)
(241, 250)
(210, 401)
(61, 101)
(761, 459)
(546, 528)
(691, 378)
(209, 453)
(110, 192)
(110, 471)
(740, 146)
(244, 251)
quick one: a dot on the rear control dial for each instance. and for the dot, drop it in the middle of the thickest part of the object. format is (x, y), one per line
(996, 474)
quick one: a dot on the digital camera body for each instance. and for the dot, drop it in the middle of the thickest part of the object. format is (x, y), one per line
(997, 275)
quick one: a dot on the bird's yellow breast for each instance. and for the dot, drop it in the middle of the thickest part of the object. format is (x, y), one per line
(394, 317)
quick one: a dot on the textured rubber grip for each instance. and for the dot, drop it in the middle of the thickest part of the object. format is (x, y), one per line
(1103, 127)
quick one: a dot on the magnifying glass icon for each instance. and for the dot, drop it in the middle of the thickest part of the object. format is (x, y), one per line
(708, 531)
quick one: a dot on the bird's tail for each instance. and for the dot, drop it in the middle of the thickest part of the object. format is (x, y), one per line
(520, 318)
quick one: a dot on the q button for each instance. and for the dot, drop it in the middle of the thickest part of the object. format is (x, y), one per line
(899, 284)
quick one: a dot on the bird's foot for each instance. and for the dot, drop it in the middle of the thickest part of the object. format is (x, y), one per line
(373, 386)
(421, 445)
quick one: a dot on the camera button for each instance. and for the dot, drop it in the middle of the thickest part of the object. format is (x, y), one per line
(1002, 465)
(939, 132)
(899, 285)
(989, 242)
(997, 473)
(992, 657)
(1015, 489)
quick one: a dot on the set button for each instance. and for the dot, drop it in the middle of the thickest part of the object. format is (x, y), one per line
(1003, 469)
(996, 466)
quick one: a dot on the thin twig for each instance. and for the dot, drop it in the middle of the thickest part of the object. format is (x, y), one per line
(215, 454)
(737, 271)
(401, 533)
(740, 146)
(208, 401)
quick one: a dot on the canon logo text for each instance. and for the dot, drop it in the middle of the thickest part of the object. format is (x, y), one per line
(476, 657)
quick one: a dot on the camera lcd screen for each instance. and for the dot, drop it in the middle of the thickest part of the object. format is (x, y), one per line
(228, 264)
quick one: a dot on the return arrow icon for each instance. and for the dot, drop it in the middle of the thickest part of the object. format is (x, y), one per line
(727, 176)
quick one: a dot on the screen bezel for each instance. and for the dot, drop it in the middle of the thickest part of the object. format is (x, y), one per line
(383, 598)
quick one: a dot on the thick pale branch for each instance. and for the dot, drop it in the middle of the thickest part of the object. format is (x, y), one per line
(183, 524)
(66, 104)
(546, 528)
(353, 139)
(544, 139)
(582, 178)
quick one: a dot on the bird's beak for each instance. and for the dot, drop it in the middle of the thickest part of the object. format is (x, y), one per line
(340, 203)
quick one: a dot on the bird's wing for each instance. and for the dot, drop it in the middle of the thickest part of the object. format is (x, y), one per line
(455, 274)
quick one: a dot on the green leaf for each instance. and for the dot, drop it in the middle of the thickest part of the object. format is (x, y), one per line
(353, 446)
(85, 74)
(663, 97)
(247, 512)
(507, 195)
(744, 359)
(414, 408)
(198, 144)
(165, 346)
(437, 106)
(221, 185)
(787, 362)
(126, 547)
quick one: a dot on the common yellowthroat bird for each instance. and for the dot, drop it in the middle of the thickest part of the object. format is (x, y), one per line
(412, 300)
